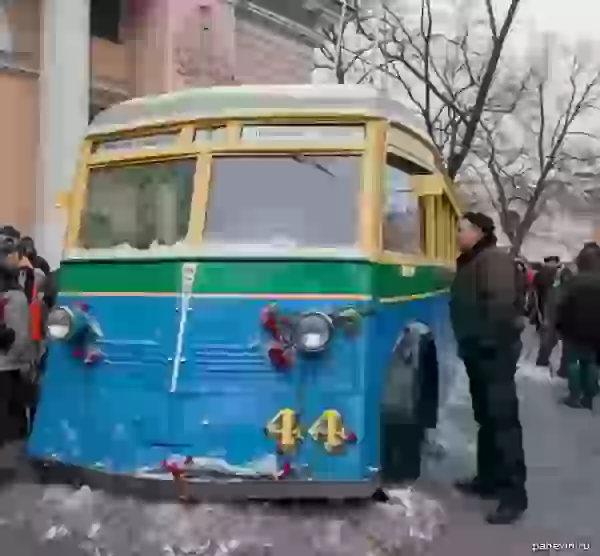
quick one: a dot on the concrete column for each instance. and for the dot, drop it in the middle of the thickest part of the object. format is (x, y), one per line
(64, 101)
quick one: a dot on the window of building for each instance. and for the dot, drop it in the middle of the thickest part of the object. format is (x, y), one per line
(105, 19)
(138, 205)
(402, 219)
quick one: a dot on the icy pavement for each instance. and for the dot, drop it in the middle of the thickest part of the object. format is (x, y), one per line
(62, 521)
(562, 448)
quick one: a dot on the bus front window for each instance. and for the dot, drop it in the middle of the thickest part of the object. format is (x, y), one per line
(296, 201)
(138, 205)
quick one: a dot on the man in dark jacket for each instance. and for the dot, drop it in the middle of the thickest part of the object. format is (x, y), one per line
(487, 326)
(578, 323)
(554, 277)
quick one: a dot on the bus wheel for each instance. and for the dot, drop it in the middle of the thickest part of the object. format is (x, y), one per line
(410, 404)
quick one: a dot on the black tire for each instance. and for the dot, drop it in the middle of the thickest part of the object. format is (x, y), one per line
(403, 427)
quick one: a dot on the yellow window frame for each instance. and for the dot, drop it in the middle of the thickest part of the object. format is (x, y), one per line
(203, 152)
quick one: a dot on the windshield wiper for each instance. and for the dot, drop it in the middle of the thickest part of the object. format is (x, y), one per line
(300, 158)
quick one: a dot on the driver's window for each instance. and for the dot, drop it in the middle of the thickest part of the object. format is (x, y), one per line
(402, 225)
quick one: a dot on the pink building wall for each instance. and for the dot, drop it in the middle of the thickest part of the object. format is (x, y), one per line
(198, 43)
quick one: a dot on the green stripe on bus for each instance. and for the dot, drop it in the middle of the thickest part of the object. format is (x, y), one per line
(251, 277)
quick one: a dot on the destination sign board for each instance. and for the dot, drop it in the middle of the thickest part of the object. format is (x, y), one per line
(318, 134)
(138, 143)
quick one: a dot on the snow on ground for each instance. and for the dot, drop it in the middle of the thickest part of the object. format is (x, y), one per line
(98, 524)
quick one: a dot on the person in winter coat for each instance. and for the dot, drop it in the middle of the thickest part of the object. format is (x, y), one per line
(522, 285)
(578, 323)
(33, 281)
(543, 281)
(551, 283)
(487, 326)
(30, 251)
(18, 357)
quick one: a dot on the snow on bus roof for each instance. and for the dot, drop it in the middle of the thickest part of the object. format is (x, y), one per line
(251, 101)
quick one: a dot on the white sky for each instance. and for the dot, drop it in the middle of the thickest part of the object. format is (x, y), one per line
(573, 18)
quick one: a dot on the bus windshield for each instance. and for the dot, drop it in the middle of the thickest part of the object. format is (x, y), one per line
(138, 205)
(295, 201)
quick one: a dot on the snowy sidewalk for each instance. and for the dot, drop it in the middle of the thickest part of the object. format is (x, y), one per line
(562, 448)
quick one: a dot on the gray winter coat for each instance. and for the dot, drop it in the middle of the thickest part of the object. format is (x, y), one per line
(16, 316)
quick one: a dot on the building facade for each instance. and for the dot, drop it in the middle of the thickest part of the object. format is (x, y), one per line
(61, 62)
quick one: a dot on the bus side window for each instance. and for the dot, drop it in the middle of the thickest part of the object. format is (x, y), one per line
(402, 226)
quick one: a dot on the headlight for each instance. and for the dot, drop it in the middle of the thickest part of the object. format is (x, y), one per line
(60, 323)
(313, 332)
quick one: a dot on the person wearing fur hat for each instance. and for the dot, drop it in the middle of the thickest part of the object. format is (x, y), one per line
(487, 326)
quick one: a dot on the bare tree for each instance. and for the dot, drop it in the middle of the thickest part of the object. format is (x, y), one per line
(544, 147)
(344, 51)
(448, 79)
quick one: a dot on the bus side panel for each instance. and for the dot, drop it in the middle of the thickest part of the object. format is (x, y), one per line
(420, 298)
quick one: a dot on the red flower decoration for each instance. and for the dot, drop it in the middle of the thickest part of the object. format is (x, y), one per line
(172, 468)
(351, 438)
(268, 318)
(286, 469)
(279, 357)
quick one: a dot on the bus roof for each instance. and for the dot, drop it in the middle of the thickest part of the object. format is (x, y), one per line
(249, 101)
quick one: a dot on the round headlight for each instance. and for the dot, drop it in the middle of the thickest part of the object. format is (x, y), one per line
(60, 323)
(313, 332)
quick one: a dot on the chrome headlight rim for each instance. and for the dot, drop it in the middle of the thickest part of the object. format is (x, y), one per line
(327, 330)
(71, 321)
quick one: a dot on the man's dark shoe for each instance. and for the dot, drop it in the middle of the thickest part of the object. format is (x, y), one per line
(587, 402)
(473, 487)
(569, 401)
(504, 514)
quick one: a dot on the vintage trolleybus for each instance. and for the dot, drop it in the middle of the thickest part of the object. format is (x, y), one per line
(253, 293)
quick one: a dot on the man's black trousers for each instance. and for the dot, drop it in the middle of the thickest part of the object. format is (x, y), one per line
(500, 456)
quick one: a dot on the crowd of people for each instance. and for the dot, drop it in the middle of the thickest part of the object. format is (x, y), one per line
(26, 295)
(560, 304)
(492, 297)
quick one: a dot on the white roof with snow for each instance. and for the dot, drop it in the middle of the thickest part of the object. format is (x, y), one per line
(252, 101)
